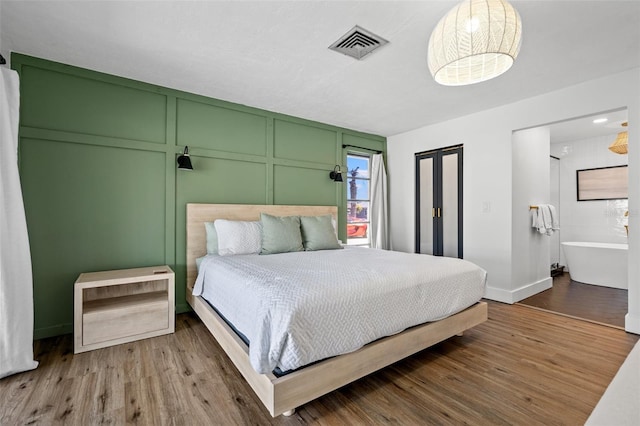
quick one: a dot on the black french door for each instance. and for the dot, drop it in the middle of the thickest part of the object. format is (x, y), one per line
(439, 202)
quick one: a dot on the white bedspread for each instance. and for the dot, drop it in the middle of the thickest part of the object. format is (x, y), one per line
(297, 308)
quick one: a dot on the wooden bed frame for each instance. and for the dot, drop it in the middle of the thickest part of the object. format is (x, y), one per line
(281, 395)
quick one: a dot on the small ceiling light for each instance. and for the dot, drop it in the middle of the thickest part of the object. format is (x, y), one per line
(619, 146)
(600, 120)
(336, 174)
(184, 162)
(476, 41)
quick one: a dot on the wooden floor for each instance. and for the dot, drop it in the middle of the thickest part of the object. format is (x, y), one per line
(521, 367)
(590, 302)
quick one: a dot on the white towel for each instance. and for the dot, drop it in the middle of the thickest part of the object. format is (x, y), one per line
(537, 220)
(545, 219)
(555, 220)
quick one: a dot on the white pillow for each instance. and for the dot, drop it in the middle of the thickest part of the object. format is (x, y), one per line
(238, 237)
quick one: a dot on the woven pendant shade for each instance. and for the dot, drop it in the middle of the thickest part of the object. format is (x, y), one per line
(476, 41)
(619, 146)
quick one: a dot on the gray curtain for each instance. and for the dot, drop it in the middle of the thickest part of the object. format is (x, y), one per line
(16, 282)
(379, 215)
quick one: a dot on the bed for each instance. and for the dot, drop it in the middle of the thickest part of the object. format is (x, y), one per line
(281, 394)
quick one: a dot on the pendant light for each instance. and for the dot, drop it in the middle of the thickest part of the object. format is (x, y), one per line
(476, 41)
(619, 146)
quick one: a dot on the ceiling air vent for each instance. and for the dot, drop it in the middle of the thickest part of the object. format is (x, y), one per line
(358, 43)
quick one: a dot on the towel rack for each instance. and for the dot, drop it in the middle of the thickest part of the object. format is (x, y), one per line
(533, 207)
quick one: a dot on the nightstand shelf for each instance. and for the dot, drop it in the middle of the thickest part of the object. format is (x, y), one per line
(125, 302)
(114, 307)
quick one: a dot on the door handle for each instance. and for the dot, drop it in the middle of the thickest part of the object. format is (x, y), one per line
(433, 212)
(439, 212)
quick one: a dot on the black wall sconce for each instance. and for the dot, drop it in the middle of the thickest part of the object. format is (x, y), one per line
(336, 174)
(184, 162)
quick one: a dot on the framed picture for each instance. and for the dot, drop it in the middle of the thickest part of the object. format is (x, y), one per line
(603, 183)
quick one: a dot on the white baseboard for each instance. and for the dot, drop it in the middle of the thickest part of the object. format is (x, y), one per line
(531, 289)
(513, 296)
(498, 294)
(632, 323)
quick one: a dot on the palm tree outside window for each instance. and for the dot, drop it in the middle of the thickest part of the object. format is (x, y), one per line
(358, 199)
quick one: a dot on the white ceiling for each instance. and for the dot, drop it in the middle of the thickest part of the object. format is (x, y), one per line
(274, 54)
(584, 128)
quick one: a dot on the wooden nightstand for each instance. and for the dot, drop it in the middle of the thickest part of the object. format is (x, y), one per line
(114, 307)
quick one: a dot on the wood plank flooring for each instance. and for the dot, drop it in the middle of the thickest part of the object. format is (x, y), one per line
(590, 302)
(521, 367)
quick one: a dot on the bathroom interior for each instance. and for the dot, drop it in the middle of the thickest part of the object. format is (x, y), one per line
(588, 253)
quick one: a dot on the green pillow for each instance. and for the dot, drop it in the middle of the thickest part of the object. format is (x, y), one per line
(318, 233)
(212, 238)
(280, 234)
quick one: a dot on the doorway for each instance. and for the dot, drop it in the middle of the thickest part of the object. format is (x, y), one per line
(577, 145)
(439, 202)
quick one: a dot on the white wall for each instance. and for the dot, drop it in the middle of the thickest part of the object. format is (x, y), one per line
(597, 221)
(487, 139)
(531, 183)
(5, 53)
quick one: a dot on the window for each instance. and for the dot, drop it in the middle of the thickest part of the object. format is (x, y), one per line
(358, 198)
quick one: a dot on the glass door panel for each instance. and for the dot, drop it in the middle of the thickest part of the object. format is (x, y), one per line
(426, 205)
(449, 212)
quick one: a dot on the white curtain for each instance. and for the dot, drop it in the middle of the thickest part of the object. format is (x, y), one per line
(379, 216)
(16, 281)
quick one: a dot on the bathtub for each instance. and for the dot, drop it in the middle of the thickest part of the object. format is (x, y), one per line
(602, 264)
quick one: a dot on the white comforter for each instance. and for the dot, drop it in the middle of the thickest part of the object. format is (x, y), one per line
(297, 308)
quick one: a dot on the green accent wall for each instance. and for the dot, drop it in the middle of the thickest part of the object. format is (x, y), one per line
(100, 181)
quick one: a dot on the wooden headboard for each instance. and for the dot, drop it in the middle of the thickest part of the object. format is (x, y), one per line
(198, 214)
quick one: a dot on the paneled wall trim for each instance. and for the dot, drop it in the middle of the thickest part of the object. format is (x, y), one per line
(99, 178)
